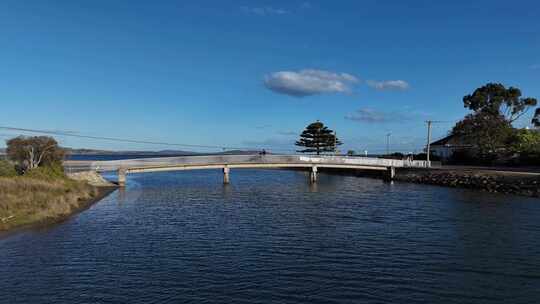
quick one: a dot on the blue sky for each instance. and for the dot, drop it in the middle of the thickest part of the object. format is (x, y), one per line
(254, 73)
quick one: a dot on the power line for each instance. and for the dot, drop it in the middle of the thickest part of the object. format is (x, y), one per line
(128, 140)
(70, 134)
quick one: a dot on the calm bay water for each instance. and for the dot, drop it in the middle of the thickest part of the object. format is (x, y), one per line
(270, 237)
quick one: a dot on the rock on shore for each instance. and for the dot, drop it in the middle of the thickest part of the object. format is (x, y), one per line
(490, 181)
(92, 178)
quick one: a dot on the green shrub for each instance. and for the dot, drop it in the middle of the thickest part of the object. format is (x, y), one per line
(7, 169)
(526, 141)
(49, 172)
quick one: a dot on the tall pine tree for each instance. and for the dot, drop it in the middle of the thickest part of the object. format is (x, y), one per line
(318, 138)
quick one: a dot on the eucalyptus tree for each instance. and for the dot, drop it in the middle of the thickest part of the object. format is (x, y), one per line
(487, 133)
(30, 152)
(495, 99)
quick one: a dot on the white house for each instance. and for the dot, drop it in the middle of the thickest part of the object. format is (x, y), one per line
(445, 147)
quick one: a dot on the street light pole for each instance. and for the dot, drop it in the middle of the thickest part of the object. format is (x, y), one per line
(388, 143)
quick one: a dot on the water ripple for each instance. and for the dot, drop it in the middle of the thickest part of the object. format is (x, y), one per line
(271, 237)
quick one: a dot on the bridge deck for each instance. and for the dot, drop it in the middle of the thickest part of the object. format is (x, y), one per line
(250, 166)
(226, 162)
(240, 161)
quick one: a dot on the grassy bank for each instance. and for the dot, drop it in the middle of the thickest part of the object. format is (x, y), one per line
(39, 198)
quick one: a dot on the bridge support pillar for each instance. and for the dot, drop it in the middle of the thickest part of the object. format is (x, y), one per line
(390, 173)
(122, 177)
(226, 178)
(313, 174)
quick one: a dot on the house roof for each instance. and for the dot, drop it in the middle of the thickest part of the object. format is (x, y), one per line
(451, 141)
(444, 141)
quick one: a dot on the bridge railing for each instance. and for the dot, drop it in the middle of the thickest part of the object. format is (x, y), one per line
(251, 159)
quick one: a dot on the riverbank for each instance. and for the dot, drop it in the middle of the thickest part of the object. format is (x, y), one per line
(26, 201)
(502, 180)
(507, 182)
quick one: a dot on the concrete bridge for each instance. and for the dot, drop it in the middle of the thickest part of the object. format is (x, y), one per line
(228, 162)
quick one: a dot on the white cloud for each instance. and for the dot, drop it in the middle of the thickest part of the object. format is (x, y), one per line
(388, 84)
(369, 115)
(309, 82)
(263, 11)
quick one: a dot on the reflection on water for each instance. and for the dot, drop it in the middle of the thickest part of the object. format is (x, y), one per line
(271, 236)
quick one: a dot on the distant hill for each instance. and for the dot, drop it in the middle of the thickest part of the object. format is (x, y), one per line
(237, 152)
(128, 152)
(161, 153)
(155, 153)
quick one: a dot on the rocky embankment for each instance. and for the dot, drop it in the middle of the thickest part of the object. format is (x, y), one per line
(92, 178)
(485, 180)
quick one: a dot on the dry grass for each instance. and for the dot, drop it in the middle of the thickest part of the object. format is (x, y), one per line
(25, 200)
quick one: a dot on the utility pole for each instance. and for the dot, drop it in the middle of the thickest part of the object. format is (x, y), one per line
(429, 122)
(388, 143)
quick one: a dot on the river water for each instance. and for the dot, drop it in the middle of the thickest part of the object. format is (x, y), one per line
(271, 237)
